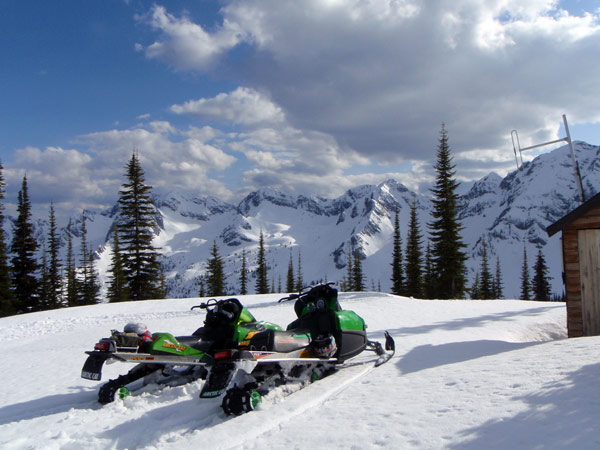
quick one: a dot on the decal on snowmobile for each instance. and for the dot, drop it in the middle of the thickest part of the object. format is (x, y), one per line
(246, 341)
(169, 344)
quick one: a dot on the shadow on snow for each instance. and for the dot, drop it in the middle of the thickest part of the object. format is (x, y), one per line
(562, 414)
(428, 356)
(84, 398)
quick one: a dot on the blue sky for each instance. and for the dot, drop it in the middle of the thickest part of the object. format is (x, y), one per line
(221, 98)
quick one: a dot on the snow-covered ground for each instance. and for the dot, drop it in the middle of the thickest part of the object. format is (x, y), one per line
(466, 375)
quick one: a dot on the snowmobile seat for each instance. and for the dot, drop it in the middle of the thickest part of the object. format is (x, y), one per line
(317, 322)
(195, 342)
(278, 341)
(216, 336)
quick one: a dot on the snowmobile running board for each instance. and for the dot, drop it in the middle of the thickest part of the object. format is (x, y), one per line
(148, 358)
(92, 369)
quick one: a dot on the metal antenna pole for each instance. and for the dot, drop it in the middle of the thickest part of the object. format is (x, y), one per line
(514, 135)
(575, 165)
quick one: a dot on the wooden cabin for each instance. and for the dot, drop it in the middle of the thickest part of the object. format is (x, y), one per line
(581, 266)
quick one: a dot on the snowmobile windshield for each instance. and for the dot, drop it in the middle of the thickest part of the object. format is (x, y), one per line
(246, 316)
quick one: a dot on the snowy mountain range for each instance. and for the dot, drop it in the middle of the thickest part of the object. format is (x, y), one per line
(507, 213)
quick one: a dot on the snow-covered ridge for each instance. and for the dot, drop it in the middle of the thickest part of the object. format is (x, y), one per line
(507, 213)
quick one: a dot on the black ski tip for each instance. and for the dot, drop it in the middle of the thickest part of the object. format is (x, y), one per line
(390, 344)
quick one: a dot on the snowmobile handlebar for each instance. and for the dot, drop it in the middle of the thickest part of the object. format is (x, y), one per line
(209, 304)
(304, 291)
(289, 298)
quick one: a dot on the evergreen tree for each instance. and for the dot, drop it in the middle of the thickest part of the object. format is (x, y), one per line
(448, 256)
(72, 285)
(262, 283)
(216, 279)
(202, 292)
(244, 275)
(7, 301)
(357, 275)
(24, 265)
(299, 277)
(54, 266)
(428, 275)
(475, 292)
(117, 287)
(498, 286)
(350, 268)
(397, 269)
(89, 287)
(141, 260)
(525, 283)
(290, 285)
(44, 283)
(541, 281)
(486, 291)
(414, 256)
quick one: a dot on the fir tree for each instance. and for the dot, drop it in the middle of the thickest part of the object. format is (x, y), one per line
(7, 301)
(299, 277)
(71, 285)
(202, 290)
(290, 285)
(525, 282)
(117, 287)
(88, 286)
(350, 268)
(141, 263)
(447, 253)
(54, 266)
(24, 265)
(262, 283)
(475, 292)
(486, 291)
(498, 285)
(216, 279)
(541, 281)
(357, 273)
(397, 269)
(428, 275)
(414, 256)
(244, 275)
(44, 283)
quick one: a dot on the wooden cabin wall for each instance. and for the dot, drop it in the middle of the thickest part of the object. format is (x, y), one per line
(572, 282)
(570, 244)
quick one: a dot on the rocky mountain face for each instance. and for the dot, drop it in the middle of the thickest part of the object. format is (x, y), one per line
(510, 214)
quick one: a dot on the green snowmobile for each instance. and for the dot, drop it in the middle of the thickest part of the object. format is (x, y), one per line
(237, 355)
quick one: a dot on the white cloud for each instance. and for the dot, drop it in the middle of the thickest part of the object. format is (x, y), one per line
(242, 106)
(186, 45)
(169, 157)
(380, 76)
(65, 177)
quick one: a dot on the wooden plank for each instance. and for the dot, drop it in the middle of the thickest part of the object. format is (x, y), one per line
(589, 258)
